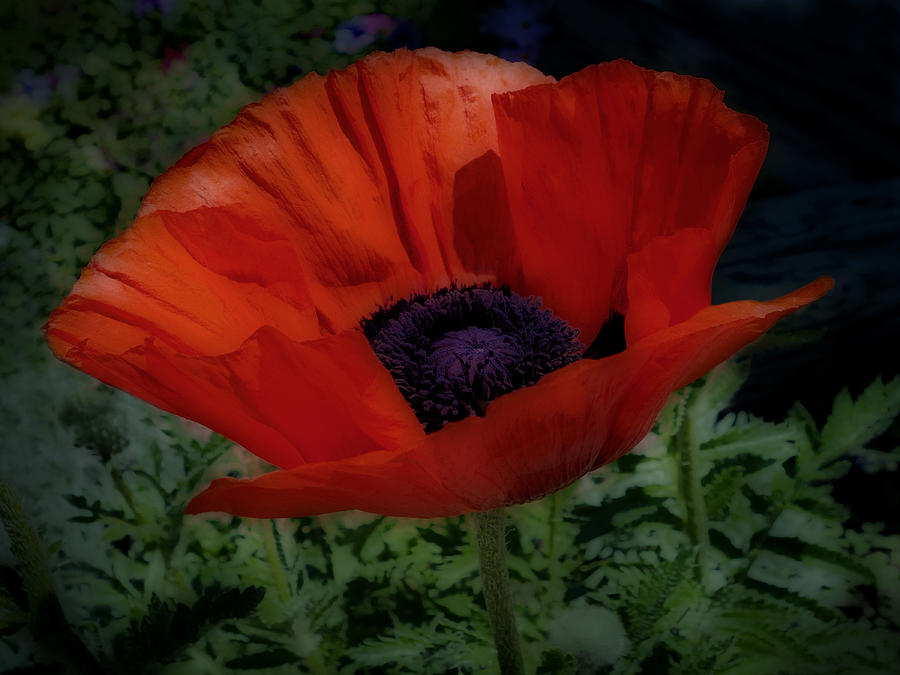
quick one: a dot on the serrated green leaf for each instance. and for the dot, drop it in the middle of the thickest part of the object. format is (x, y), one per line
(750, 436)
(437, 647)
(724, 482)
(818, 501)
(720, 385)
(671, 416)
(875, 461)
(757, 595)
(853, 424)
(166, 629)
(598, 520)
(794, 548)
(646, 591)
(460, 604)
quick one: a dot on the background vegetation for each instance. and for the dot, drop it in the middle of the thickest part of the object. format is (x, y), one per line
(717, 546)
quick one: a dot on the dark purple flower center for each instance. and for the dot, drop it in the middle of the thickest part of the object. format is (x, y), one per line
(454, 351)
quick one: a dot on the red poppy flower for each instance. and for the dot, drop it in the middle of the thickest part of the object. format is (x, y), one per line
(236, 298)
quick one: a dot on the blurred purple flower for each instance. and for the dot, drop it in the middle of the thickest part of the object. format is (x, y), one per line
(40, 88)
(518, 23)
(354, 35)
(143, 7)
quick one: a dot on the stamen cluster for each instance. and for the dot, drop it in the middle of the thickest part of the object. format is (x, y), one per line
(454, 351)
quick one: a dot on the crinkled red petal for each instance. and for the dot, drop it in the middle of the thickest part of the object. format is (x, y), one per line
(605, 161)
(288, 402)
(531, 442)
(289, 225)
(427, 115)
(202, 283)
(234, 299)
(356, 170)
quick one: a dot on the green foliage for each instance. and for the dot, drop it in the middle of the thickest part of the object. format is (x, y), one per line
(437, 647)
(853, 424)
(93, 429)
(751, 568)
(741, 563)
(98, 98)
(715, 547)
(166, 629)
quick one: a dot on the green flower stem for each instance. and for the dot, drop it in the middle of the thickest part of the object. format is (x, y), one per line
(48, 624)
(278, 578)
(490, 534)
(266, 528)
(119, 481)
(30, 557)
(689, 485)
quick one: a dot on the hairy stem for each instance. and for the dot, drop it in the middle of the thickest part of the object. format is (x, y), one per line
(26, 546)
(48, 624)
(490, 534)
(691, 489)
(266, 528)
(118, 479)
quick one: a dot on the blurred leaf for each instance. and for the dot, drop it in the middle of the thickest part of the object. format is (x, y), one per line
(852, 424)
(262, 660)
(166, 629)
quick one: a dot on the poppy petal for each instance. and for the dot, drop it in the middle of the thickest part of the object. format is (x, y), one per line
(166, 314)
(356, 170)
(536, 440)
(235, 299)
(531, 442)
(287, 402)
(611, 157)
(391, 483)
(428, 118)
(202, 283)
(300, 216)
(669, 280)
